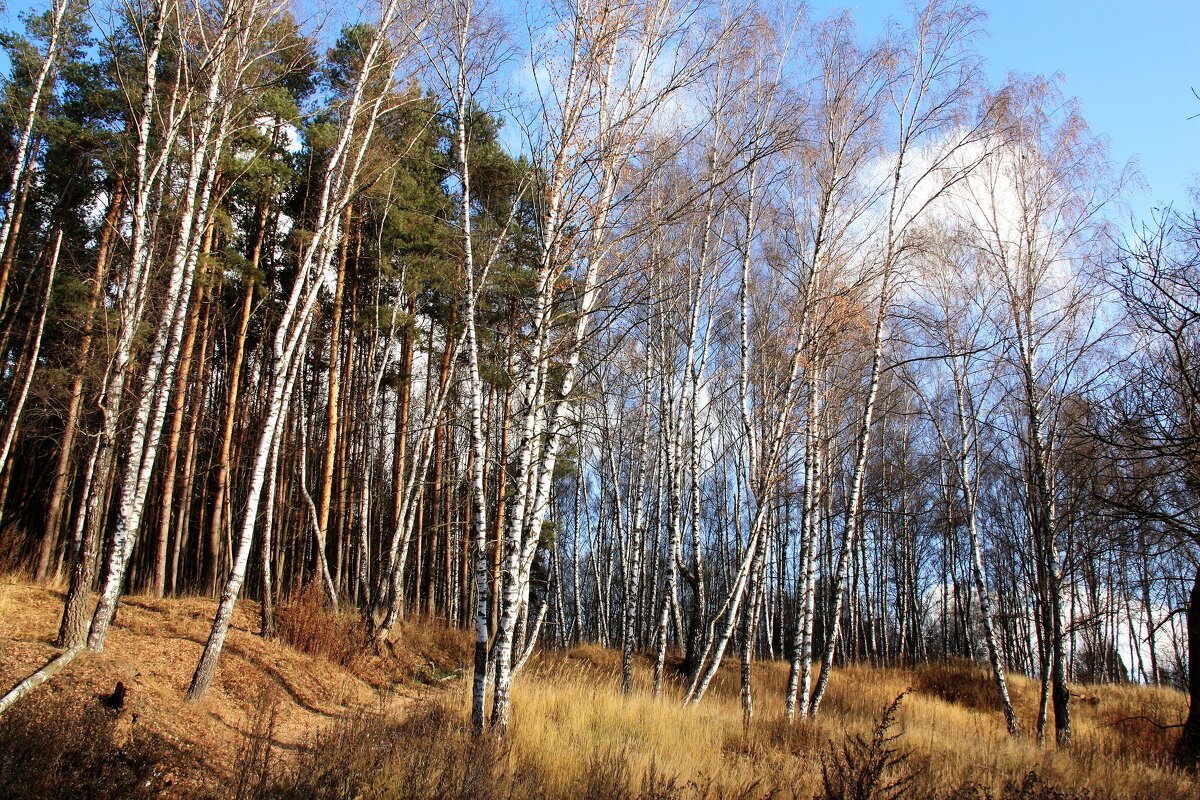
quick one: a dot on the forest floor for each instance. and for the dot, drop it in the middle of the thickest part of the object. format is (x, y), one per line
(154, 646)
(340, 722)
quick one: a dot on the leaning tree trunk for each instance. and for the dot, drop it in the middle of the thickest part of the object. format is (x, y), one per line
(21, 161)
(14, 414)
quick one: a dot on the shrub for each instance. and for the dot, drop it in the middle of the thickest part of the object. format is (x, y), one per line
(372, 754)
(1030, 787)
(432, 755)
(254, 763)
(960, 682)
(874, 769)
(308, 625)
(1146, 730)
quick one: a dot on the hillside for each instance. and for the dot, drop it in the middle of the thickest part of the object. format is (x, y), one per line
(154, 647)
(703, 327)
(283, 723)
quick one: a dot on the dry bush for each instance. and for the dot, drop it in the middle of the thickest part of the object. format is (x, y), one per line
(1145, 739)
(52, 747)
(15, 559)
(611, 776)
(451, 646)
(430, 652)
(791, 739)
(1145, 726)
(960, 682)
(1033, 787)
(870, 769)
(306, 623)
(602, 658)
(421, 651)
(372, 754)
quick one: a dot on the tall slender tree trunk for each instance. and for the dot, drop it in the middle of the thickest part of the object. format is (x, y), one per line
(966, 480)
(62, 470)
(1187, 753)
(9, 259)
(501, 479)
(14, 412)
(637, 528)
(800, 672)
(331, 420)
(400, 443)
(853, 500)
(18, 183)
(178, 400)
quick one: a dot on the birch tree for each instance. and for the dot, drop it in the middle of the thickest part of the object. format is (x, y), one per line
(932, 80)
(959, 313)
(383, 57)
(619, 65)
(42, 85)
(1037, 218)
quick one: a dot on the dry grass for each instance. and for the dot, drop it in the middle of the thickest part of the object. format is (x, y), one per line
(571, 704)
(8, 619)
(959, 682)
(574, 735)
(281, 723)
(431, 755)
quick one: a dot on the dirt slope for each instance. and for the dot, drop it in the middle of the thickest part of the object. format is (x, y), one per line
(154, 646)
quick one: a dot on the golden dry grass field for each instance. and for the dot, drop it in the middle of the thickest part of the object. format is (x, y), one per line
(311, 716)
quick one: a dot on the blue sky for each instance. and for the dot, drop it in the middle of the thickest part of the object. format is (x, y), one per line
(1132, 65)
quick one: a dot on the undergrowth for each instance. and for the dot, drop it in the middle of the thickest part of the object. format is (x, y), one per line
(308, 624)
(431, 755)
(1031, 787)
(960, 682)
(874, 768)
(53, 748)
(574, 734)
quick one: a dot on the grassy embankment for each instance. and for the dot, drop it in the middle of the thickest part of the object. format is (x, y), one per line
(312, 715)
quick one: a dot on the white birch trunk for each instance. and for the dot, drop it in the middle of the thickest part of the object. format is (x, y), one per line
(146, 434)
(73, 631)
(14, 414)
(22, 156)
(337, 190)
